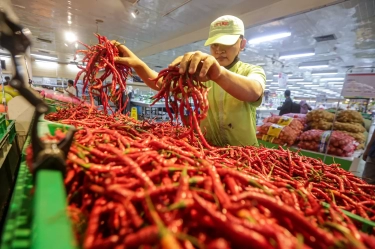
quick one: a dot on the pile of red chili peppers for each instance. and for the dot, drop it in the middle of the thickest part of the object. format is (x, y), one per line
(137, 183)
(99, 65)
(178, 91)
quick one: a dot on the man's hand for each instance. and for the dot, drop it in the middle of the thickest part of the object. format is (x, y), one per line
(204, 65)
(127, 57)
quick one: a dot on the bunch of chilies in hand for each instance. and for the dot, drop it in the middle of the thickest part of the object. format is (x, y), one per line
(142, 184)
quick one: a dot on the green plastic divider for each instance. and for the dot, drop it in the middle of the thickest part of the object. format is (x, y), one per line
(52, 227)
(344, 164)
(367, 225)
(12, 130)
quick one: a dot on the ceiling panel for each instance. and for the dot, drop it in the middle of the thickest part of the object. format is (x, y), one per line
(352, 22)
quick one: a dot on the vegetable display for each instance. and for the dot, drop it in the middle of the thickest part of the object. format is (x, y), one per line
(350, 116)
(341, 144)
(135, 183)
(275, 133)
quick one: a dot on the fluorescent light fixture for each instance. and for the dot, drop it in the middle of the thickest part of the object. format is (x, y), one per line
(314, 64)
(328, 72)
(69, 22)
(297, 54)
(76, 45)
(269, 37)
(304, 83)
(70, 36)
(296, 79)
(277, 75)
(274, 84)
(44, 57)
(274, 87)
(294, 87)
(269, 80)
(331, 79)
(47, 62)
(336, 83)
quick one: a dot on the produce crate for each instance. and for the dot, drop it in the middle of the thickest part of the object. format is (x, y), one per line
(3, 125)
(11, 130)
(344, 163)
(37, 217)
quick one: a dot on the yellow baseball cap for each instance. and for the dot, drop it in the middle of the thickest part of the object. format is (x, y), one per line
(225, 30)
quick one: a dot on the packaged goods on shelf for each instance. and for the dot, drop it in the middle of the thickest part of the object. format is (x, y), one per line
(300, 117)
(354, 127)
(359, 137)
(278, 134)
(286, 121)
(317, 115)
(341, 144)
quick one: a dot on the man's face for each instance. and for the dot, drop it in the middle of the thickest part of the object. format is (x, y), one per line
(70, 84)
(224, 54)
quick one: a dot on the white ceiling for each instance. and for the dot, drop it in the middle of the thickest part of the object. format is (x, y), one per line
(352, 22)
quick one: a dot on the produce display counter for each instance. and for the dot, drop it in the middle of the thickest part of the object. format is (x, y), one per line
(37, 216)
(9, 159)
(345, 162)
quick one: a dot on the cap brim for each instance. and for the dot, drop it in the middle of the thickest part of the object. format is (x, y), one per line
(222, 39)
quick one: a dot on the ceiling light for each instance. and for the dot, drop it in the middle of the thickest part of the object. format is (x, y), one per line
(294, 87)
(274, 87)
(135, 13)
(76, 45)
(269, 37)
(330, 72)
(269, 80)
(296, 79)
(65, 44)
(304, 83)
(70, 36)
(277, 75)
(44, 57)
(296, 54)
(314, 64)
(69, 22)
(336, 83)
(328, 79)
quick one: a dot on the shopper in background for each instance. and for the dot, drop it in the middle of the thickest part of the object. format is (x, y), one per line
(71, 91)
(7, 79)
(305, 108)
(369, 157)
(236, 87)
(287, 105)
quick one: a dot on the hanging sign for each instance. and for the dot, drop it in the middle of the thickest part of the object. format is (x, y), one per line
(359, 86)
(282, 80)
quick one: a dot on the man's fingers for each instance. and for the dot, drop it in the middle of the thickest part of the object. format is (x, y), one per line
(207, 63)
(176, 62)
(185, 62)
(122, 60)
(195, 60)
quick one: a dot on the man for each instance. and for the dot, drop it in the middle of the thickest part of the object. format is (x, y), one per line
(369, 157)
(6, 82)
(236, 87)
(71, 91)
(287, 105)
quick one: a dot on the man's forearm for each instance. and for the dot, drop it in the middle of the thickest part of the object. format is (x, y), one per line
(241, 87)
(146, 73)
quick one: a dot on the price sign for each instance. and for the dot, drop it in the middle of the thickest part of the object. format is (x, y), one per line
(282, 80)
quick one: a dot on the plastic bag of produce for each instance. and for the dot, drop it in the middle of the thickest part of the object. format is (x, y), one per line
(283, 134)
(350, 116)
(319, 115)
(285, 121)
(320, 125)
(341, 144)
(354, 127)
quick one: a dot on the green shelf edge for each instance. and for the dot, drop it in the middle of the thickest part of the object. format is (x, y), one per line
(344, 164)
(51, 223)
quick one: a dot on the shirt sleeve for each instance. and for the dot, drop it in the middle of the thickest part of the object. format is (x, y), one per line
(257, 73)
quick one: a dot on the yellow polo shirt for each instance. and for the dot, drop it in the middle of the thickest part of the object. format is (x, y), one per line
(229, 120)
